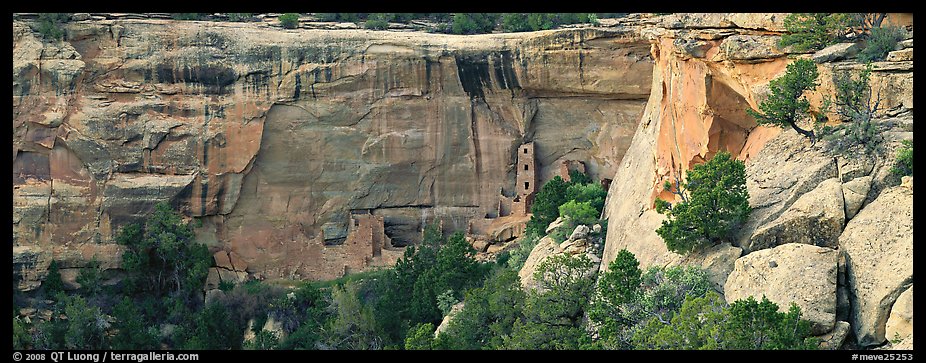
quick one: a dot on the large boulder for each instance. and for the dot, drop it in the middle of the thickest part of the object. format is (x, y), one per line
(834, 339)
(900, 323)
(835, 52)
(447, 319)
(777, 176)
(545, 248)
(854, 193)
(751, 47)
(816, 218)
(878, 245)
(717, 261)
(792, 273)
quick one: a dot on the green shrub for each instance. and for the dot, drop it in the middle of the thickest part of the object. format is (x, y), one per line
(904, 164)
(51, 25)
(289, 20)
(515, 22)
(163, 257)
(420, 337)
(488, 315)
(815, 31)
(132, 329)
(90, 278)
(554, 313)
(189, 16)
(579, 212)
(526, 244)
(786, 104)
(545, 208)
(708, 323)
(53, 284)
(714, 202)
(855, 106)
(378, 21)
(21, 337)
(446, 301)
(473, 23)
(880, 42)
(243, 17)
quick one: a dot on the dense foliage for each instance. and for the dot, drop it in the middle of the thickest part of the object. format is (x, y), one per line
(522, 22)
(857, 106)
(786, 104)
(708, 323)
(880, 42)
(713, 203)
(289, 20)
(815, 31)
(903, 166)
(51, 25)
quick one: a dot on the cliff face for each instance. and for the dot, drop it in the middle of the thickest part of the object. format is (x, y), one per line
(708, 69)
(271, 137)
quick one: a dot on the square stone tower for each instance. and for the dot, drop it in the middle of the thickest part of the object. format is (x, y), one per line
(527, 176)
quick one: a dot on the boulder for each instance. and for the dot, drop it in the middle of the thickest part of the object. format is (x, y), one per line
(580, 232)
(447, 319)
(791, 273)
(834, 339)
(900, 322)
(717, 261)
(222, 260)
(545, 248)
(816, 218)
(836, 52)
(237, 263)
(751, 47)
(554, 225)
(775, 182)
(480, 245)
(854, 193)
(904, 44)
(900, 55)
(212, 279)
(596, 228)
(879, 261)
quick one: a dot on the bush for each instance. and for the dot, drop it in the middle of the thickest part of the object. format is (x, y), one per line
(526, 244)
(473, 23)
(488, 315)
(626, 298)
(420, 337)
(545, 208)
(855, 106)
(904, 164)
(243, 17)
(378, 21)
(786, 104)
(714, 202)
(815, 31)
(880, 42)
(53, 284)
(553, 314)
(163, 258)
(21, 338)
(90, 278)
(708, 323)
(189, 16)
(579, 212)
(289, 20)
(51, 25)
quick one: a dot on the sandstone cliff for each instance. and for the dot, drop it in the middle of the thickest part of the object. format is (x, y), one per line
(708, 69)
(272, 137)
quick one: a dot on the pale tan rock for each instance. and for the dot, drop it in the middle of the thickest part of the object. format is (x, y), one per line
(816, 218)
(445, 322)
(836, 52)
(544, 249)
(900, 322)
(879, 256)
(834, 339)
(900, 55)
(221, 260)
(791, 273)
(855, 192)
